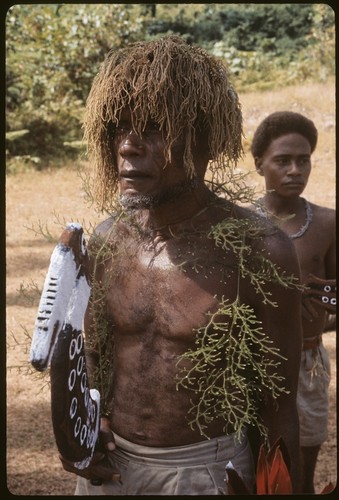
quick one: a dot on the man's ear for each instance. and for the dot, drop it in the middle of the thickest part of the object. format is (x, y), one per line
(258, 165)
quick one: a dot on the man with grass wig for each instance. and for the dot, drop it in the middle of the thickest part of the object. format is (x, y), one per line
(194, 317)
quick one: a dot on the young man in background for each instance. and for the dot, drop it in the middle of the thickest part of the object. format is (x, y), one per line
(282, 147)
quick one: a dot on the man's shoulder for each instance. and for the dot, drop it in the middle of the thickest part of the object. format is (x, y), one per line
(103, 231)
(323, 217)
(269, 241)
(262, 227)
(323, 211)
(105, 226)
(263, 233)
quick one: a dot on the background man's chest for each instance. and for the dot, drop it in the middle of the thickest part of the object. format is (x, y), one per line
(311, 249)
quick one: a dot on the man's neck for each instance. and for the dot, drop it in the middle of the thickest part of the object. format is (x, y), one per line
(177, 211)
(281, 205)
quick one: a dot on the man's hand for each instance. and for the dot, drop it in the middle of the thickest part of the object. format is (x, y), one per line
(100, 468)
(320, 292)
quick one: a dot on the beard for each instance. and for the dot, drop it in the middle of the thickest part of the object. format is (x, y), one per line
(148, 202)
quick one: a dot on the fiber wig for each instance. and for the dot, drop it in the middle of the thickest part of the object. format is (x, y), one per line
(180, 87)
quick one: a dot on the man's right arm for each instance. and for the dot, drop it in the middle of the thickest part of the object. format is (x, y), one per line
(322, 291)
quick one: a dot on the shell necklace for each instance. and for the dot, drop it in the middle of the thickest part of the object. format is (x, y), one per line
(303, 229)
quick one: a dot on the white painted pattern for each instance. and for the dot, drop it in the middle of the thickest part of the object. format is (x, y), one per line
(63, 304)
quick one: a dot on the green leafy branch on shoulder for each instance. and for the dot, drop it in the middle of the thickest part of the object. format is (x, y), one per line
(237, 235)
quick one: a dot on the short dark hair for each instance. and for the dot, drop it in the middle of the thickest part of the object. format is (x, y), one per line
(282, 123)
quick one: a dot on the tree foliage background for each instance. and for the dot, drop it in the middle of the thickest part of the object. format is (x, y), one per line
(53, 51)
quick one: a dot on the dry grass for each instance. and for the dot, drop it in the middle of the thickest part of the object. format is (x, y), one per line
(33, 467)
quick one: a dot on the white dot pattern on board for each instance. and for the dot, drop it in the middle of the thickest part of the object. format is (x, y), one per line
(84, 424)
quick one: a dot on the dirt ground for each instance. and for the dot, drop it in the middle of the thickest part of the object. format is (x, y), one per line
(49, 200)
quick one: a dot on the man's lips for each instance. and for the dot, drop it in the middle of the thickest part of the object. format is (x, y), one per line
(134, 180)
(133, 174)
(294, 184)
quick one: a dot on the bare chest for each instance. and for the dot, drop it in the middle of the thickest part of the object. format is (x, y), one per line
(169, 290)
(312, 249)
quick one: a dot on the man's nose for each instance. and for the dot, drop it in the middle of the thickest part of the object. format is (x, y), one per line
(294, 168)
(131, 145)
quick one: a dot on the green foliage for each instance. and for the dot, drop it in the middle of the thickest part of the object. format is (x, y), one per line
(53, 51)
(237, 235)
(234, 367)
(268, 27)
(296, 53)
(264, 45)
(101, 345)
(246, 27)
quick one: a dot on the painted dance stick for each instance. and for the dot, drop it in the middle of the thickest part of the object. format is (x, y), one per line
(58, 341)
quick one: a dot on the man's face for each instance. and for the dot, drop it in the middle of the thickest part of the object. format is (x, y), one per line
(286, 165)
(146, 180)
